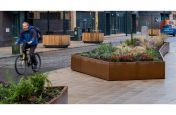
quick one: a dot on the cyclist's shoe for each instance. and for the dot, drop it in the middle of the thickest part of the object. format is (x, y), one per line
(34, 66)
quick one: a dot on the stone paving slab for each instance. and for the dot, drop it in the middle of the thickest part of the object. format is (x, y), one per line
(85, 89)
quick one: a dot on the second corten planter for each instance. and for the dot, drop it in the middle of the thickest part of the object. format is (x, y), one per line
(56, 41)
(92, 37)
(113, 71)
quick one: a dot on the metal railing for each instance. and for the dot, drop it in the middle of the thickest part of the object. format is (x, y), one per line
(164, 49)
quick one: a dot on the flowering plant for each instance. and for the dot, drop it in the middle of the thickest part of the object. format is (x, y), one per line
(144, 57)
(123, 58)
(137, 50)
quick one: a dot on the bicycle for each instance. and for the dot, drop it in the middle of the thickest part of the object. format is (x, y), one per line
(23, 61)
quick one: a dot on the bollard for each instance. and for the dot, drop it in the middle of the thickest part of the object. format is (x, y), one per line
(15, 48)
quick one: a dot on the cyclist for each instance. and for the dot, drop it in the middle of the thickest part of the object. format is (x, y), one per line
(28, 37)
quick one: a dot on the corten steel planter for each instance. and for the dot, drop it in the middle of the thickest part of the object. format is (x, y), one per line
(113, 71)
(62, 98)
(152, 70)
(94, 67)
(92, 37)
(122, 71)
(56, 41)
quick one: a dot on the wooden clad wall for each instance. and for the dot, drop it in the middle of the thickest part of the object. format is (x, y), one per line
(92, 37)
(56, 40)
(154, 32)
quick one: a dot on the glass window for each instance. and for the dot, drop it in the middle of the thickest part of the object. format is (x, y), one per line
(52, 15)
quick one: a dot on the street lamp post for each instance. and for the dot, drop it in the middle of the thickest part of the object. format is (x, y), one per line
(131, 18)
(126, 23)
(117, 22)
(48, 27)
(151, 24)
(112, 30)
(93, 19)
(64, 25)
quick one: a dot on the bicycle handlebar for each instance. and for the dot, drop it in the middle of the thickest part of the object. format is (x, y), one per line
(21, 43)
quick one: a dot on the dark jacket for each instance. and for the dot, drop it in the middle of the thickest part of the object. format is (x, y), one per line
(27, 36)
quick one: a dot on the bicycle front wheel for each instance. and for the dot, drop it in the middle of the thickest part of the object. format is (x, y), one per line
(20, 65)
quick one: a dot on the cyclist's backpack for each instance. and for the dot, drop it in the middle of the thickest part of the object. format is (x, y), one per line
(39, 34)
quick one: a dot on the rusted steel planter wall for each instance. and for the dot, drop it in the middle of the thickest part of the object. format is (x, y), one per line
(93, 37)
(113, 71)
(118, 70)
(54, 41)
(62, 98)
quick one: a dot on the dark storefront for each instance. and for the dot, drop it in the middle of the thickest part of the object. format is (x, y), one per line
(50, 22)
(152, 19)
(10, 24)
(114, 22)
(85, 20)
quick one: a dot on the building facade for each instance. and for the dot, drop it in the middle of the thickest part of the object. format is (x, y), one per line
(64, 22)
(151, 19)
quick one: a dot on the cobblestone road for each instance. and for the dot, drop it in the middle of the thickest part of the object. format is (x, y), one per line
(50, 61)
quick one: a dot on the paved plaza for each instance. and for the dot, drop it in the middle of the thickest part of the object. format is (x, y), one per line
(85, 89)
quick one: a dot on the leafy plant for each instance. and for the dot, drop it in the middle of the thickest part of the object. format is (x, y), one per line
(122, 58)
(3, 92)
(143, 57)
(122, 49)
(23, 90)
(38, 82)
(132, 42)
(154, 42)
(137, 49)
(104, 51)
(30, 90)
(153, 53)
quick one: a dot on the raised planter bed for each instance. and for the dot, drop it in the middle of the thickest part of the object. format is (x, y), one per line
(113, 71)
(92, 37)
(33, 91)
(154, 32)
(62, 98)
(56, 41)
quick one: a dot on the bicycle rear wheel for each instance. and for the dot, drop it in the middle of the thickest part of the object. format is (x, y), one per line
(20, 65)
(38, 66)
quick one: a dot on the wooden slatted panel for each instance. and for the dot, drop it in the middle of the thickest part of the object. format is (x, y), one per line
(56, 40)
(92, 37)
(154, 32)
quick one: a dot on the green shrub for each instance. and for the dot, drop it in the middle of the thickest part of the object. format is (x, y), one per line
(26, 90)
(153, 53)
(132, 42)
(4, 93)
(122, 58)
(38, 82)
(104, 51)
(15, 93)
(23, 90)
(124, 52)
